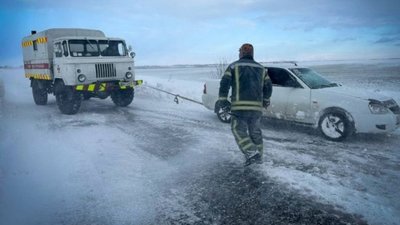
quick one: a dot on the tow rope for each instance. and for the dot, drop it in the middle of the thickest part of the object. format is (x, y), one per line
(177, 96)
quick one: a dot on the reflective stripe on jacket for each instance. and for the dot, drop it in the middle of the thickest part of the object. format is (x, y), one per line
(250, 85)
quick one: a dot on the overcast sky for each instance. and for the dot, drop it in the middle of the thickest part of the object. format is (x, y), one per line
(208, 31)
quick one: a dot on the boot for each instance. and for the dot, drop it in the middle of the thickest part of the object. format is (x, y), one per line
(252, 157)
(258, 159)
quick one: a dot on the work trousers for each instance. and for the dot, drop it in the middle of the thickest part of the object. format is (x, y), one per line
(246, 130)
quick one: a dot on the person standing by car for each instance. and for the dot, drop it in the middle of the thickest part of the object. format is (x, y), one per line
(251, 91)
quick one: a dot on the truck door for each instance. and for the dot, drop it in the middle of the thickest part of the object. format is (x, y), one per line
(60, 52)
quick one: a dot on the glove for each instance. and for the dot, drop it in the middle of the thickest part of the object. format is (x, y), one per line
(224, 104)
(266, 103)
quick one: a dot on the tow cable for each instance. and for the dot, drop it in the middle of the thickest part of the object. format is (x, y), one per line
(177, 96)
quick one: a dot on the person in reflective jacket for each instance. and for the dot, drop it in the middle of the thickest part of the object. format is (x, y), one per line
(251, 91)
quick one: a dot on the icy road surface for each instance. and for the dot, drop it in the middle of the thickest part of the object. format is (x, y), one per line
(157, 162)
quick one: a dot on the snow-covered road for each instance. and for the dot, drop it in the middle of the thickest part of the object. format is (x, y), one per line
(157, 162)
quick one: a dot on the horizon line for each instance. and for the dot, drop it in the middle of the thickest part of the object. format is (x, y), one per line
(271, 61)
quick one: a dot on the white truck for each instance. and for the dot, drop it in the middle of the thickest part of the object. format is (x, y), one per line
(303, 96)
(76, 64)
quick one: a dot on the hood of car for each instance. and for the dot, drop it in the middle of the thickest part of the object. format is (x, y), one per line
(355, 93)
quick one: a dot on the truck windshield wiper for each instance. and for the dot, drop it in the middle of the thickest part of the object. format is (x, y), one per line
(90, 44)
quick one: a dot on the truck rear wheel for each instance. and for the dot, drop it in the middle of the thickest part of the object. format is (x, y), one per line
(39, 92)
(122, 97)
(67, 99)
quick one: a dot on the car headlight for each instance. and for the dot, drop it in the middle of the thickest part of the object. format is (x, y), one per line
(377, 108)
(81, 78)
(128, 75)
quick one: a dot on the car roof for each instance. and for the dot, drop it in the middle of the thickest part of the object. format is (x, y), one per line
(281, 64)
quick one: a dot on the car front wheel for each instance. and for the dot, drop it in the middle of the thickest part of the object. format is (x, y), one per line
(335, 126)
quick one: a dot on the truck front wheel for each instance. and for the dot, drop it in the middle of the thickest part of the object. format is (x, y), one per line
(68, 101)
(39, 92)
(122, 97)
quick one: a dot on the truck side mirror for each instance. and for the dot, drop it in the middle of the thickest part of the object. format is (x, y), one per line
(132, 54)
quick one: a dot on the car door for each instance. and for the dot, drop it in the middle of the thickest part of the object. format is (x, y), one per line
(289, 100)
(279, 96)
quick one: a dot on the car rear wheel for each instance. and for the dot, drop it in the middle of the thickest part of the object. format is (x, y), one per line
(224, 115)
(335, 126)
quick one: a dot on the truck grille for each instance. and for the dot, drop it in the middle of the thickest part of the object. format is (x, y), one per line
(105, 70)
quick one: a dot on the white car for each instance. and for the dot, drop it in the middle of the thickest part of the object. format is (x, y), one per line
(303, 96)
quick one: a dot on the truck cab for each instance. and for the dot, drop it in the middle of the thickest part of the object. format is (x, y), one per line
(76, 64)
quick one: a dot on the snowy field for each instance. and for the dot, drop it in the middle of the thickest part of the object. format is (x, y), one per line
(158, 162)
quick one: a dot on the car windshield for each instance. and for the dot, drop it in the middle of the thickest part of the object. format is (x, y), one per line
(312, 79)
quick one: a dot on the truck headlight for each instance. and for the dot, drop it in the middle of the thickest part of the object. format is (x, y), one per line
(128, 75)
(81, 78)
(377, 108)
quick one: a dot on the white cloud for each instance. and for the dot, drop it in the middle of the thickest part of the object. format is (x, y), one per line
(336, 14)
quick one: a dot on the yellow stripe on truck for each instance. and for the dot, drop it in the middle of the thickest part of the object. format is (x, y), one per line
(91, 87)
(42, 40)
(103, 86)
(27, 43)
(39, 40)
(138, 82)
(38, 76)
(79, 87)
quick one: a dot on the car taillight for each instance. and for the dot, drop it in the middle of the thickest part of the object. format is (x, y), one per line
(205, 89)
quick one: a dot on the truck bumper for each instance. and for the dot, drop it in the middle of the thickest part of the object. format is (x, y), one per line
(107, 86)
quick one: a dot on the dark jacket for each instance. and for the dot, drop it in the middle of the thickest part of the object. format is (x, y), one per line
(250, 85)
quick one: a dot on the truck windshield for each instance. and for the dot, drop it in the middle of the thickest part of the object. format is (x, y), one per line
(312, 79)
(83, 48)
(112, 48)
